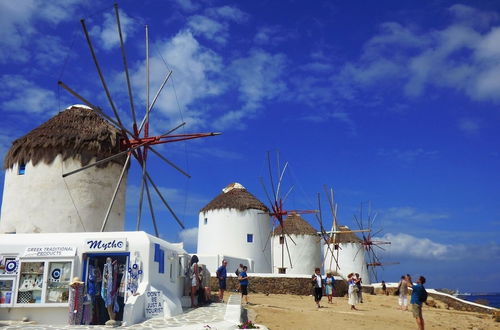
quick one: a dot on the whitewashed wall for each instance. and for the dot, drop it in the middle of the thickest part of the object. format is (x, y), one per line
(225, 233)
(305, 255)
(348, 260)
(42, 200)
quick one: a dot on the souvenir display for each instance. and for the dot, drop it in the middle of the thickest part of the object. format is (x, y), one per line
(6, 287)
(135, 273)
(76, 301)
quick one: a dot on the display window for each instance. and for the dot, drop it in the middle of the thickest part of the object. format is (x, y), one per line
(44, 282)
(59, 276)
(7, 290)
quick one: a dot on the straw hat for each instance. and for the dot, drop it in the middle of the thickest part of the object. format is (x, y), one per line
(76, 280)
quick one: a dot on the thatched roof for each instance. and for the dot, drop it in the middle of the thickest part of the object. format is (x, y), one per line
(235, 196)
(77, 132)
(294, 224)
(345, 237)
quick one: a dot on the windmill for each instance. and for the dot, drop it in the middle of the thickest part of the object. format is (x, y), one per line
(335, 236)
(369, 245)
(278, 211)
(136, 141)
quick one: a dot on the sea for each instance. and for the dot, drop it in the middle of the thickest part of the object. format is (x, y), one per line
(493, 298)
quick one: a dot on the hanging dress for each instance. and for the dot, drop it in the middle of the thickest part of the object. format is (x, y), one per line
(75, 304)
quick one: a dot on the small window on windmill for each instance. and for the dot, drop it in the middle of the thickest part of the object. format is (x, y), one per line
(282, 239)
(205, 221)
(22, 169)
(249, 238)
(282, 270)
(336, 247)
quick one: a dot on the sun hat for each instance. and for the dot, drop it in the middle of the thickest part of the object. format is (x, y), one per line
(76, 280)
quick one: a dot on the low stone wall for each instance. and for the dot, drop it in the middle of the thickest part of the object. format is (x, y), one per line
(454, 303)
(279, 285)
(449, 301)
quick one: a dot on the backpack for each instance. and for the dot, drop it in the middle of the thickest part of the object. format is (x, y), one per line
(424, 295)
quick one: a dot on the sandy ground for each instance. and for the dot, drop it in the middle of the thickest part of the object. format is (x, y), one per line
(377, 312)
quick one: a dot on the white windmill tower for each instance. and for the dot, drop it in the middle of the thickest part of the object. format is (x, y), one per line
(343, 251)
(304, 253)
(134, 142)
(37, 199)
(235, 223)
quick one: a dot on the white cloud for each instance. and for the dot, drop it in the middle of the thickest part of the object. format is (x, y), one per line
(408, 214)
(406, 246)
(209, 28)
(469, 126)
(188, 5)
(260, 78)
(229, 13)
(189, 237)
(409, 155)
(107, 34)
(196, 72)
(18, 24)
(462, 56)
(23, 95)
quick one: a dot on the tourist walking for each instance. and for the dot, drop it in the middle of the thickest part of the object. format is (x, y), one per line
(384, 289)
(329, 285)
(403, 293)
(194, 276)
(418, 297)
(243, 278)
(222, 276)
(352, 291)
(360, 289)
(317, 281)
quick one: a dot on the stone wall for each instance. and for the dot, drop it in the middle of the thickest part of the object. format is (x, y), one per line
(279, 285)
(454, 303)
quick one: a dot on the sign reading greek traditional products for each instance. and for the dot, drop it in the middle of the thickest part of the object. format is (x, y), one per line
(49, 251)
(106, 244)
(154, 304)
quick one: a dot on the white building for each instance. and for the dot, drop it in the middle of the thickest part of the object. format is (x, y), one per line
(36, 198)
(36, 270)
(235, 225)
(349, 253)
(305, 254)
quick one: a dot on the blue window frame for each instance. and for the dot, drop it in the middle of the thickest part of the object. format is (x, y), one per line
(249, 238)
(22, 169)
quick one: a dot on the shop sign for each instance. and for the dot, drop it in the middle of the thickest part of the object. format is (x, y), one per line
(154, 304)
(106, 244)
(49, 251)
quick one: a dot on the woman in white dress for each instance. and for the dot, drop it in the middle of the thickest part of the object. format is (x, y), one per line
(352, 291)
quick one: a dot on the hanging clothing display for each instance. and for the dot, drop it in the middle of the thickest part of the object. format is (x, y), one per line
(75, 302)
(109, 285)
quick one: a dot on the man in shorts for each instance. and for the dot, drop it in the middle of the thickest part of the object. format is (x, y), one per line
(243, 278)
(416, 300)
(221, 276)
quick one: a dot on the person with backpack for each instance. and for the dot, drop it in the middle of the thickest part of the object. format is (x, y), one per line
(418, 297)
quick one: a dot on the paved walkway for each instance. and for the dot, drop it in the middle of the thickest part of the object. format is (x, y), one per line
(215, 316)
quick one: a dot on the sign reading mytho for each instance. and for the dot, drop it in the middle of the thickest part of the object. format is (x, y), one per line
(154, 304)
(49, 251)
(106, 244)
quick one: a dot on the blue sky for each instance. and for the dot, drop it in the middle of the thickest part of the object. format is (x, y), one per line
(397, 104)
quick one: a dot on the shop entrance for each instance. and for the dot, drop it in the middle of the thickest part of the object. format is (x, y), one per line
(105, 279)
